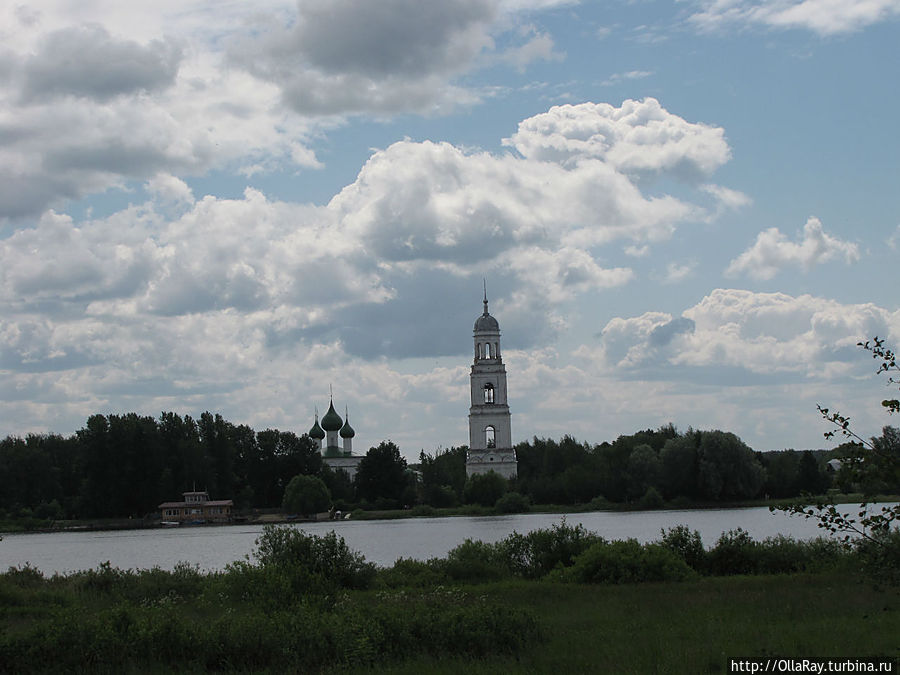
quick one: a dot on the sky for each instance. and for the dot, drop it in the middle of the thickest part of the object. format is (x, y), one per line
(684, 211)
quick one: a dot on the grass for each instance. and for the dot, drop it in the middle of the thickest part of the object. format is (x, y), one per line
(691, 627)
(310, 604)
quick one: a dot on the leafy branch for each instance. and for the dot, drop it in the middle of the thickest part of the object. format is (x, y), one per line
(867, 458)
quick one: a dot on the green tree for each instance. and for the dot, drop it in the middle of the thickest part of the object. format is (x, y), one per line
(782, 472)
(485, 488)
(443, 476)
(306, 495)
(382, 474)
(679, 466)
(810, 478)
(727, 468)
(643, 471)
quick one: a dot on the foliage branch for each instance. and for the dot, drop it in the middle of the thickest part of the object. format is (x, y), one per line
(868, 461)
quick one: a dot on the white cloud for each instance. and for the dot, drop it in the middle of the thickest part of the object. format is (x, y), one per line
(86, 61)
(893, 241)
(636, 251)
(773, 253)
(340, 57)
(637, 137)
(676, 273)
(732, 333)
(86, 109)
(825, 17)
(617, 78)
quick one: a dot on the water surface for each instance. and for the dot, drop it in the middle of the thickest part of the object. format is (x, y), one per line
(380, 541)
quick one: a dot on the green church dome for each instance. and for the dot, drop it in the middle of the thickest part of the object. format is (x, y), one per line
(332, 421)
(316, 431)
(347, 430)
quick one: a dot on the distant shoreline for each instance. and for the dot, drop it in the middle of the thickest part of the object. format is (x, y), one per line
(420, 511)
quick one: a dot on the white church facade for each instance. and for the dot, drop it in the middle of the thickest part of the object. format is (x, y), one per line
(490, 436)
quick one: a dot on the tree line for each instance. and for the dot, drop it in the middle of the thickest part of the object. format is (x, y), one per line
(649, 468)
(125, 465)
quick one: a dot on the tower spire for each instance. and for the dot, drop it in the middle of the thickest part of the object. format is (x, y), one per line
(485, 296)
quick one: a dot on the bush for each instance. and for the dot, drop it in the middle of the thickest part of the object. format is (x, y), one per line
(537, 553)
(686, 545)
(441, 496)
(484, 489)
(409, 573)
(627, 561)
(327, 557)
(880, 558)
(599, 503)
(513, 502)
(651, 499)
(474, 562)
(735, 552)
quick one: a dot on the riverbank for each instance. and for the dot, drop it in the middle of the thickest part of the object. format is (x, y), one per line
(424, 511)
(273, 516)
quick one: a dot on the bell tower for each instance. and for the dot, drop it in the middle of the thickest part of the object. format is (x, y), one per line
(490, 438)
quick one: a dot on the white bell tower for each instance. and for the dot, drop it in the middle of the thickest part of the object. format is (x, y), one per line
(490, 439)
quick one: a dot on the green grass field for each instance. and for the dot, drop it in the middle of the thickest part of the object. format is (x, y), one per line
(689, 627)
(561, 600)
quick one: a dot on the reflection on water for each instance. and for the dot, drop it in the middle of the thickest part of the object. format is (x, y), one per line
(380, 541)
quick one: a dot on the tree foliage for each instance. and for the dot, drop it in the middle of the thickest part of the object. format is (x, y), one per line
(381, 474)
(306, 495)
(872, 464)
(485, 488)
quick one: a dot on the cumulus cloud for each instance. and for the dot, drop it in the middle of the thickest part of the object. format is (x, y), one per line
(420, 219)
(773, 253)
(86, 61)
(61, 149)
(734, 334)
(825, 17)
(637, 137)
(343, 56)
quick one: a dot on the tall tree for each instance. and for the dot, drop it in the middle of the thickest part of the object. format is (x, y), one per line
(382, 474)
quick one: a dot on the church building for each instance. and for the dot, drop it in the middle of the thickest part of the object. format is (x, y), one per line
(332, 426)
(490, 438)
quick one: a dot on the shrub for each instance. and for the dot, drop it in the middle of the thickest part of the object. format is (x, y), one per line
(651, 499)
(627, 562)
(484, 489)
(441, 496)
(409, 573)
(687, 545)
(735, 552)
(25, 576)
(513, 502)
(535, 554)
(880, 558)
(474, 562)
(327, 557)
(599, 503)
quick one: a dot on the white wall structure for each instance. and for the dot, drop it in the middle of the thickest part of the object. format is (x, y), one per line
(490, 438)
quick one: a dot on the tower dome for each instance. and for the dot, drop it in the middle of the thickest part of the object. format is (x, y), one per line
(347, 430)
(331, 421)
(317, 432)
(486, 323)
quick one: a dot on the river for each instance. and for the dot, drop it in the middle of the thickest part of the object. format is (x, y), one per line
(380, 541)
